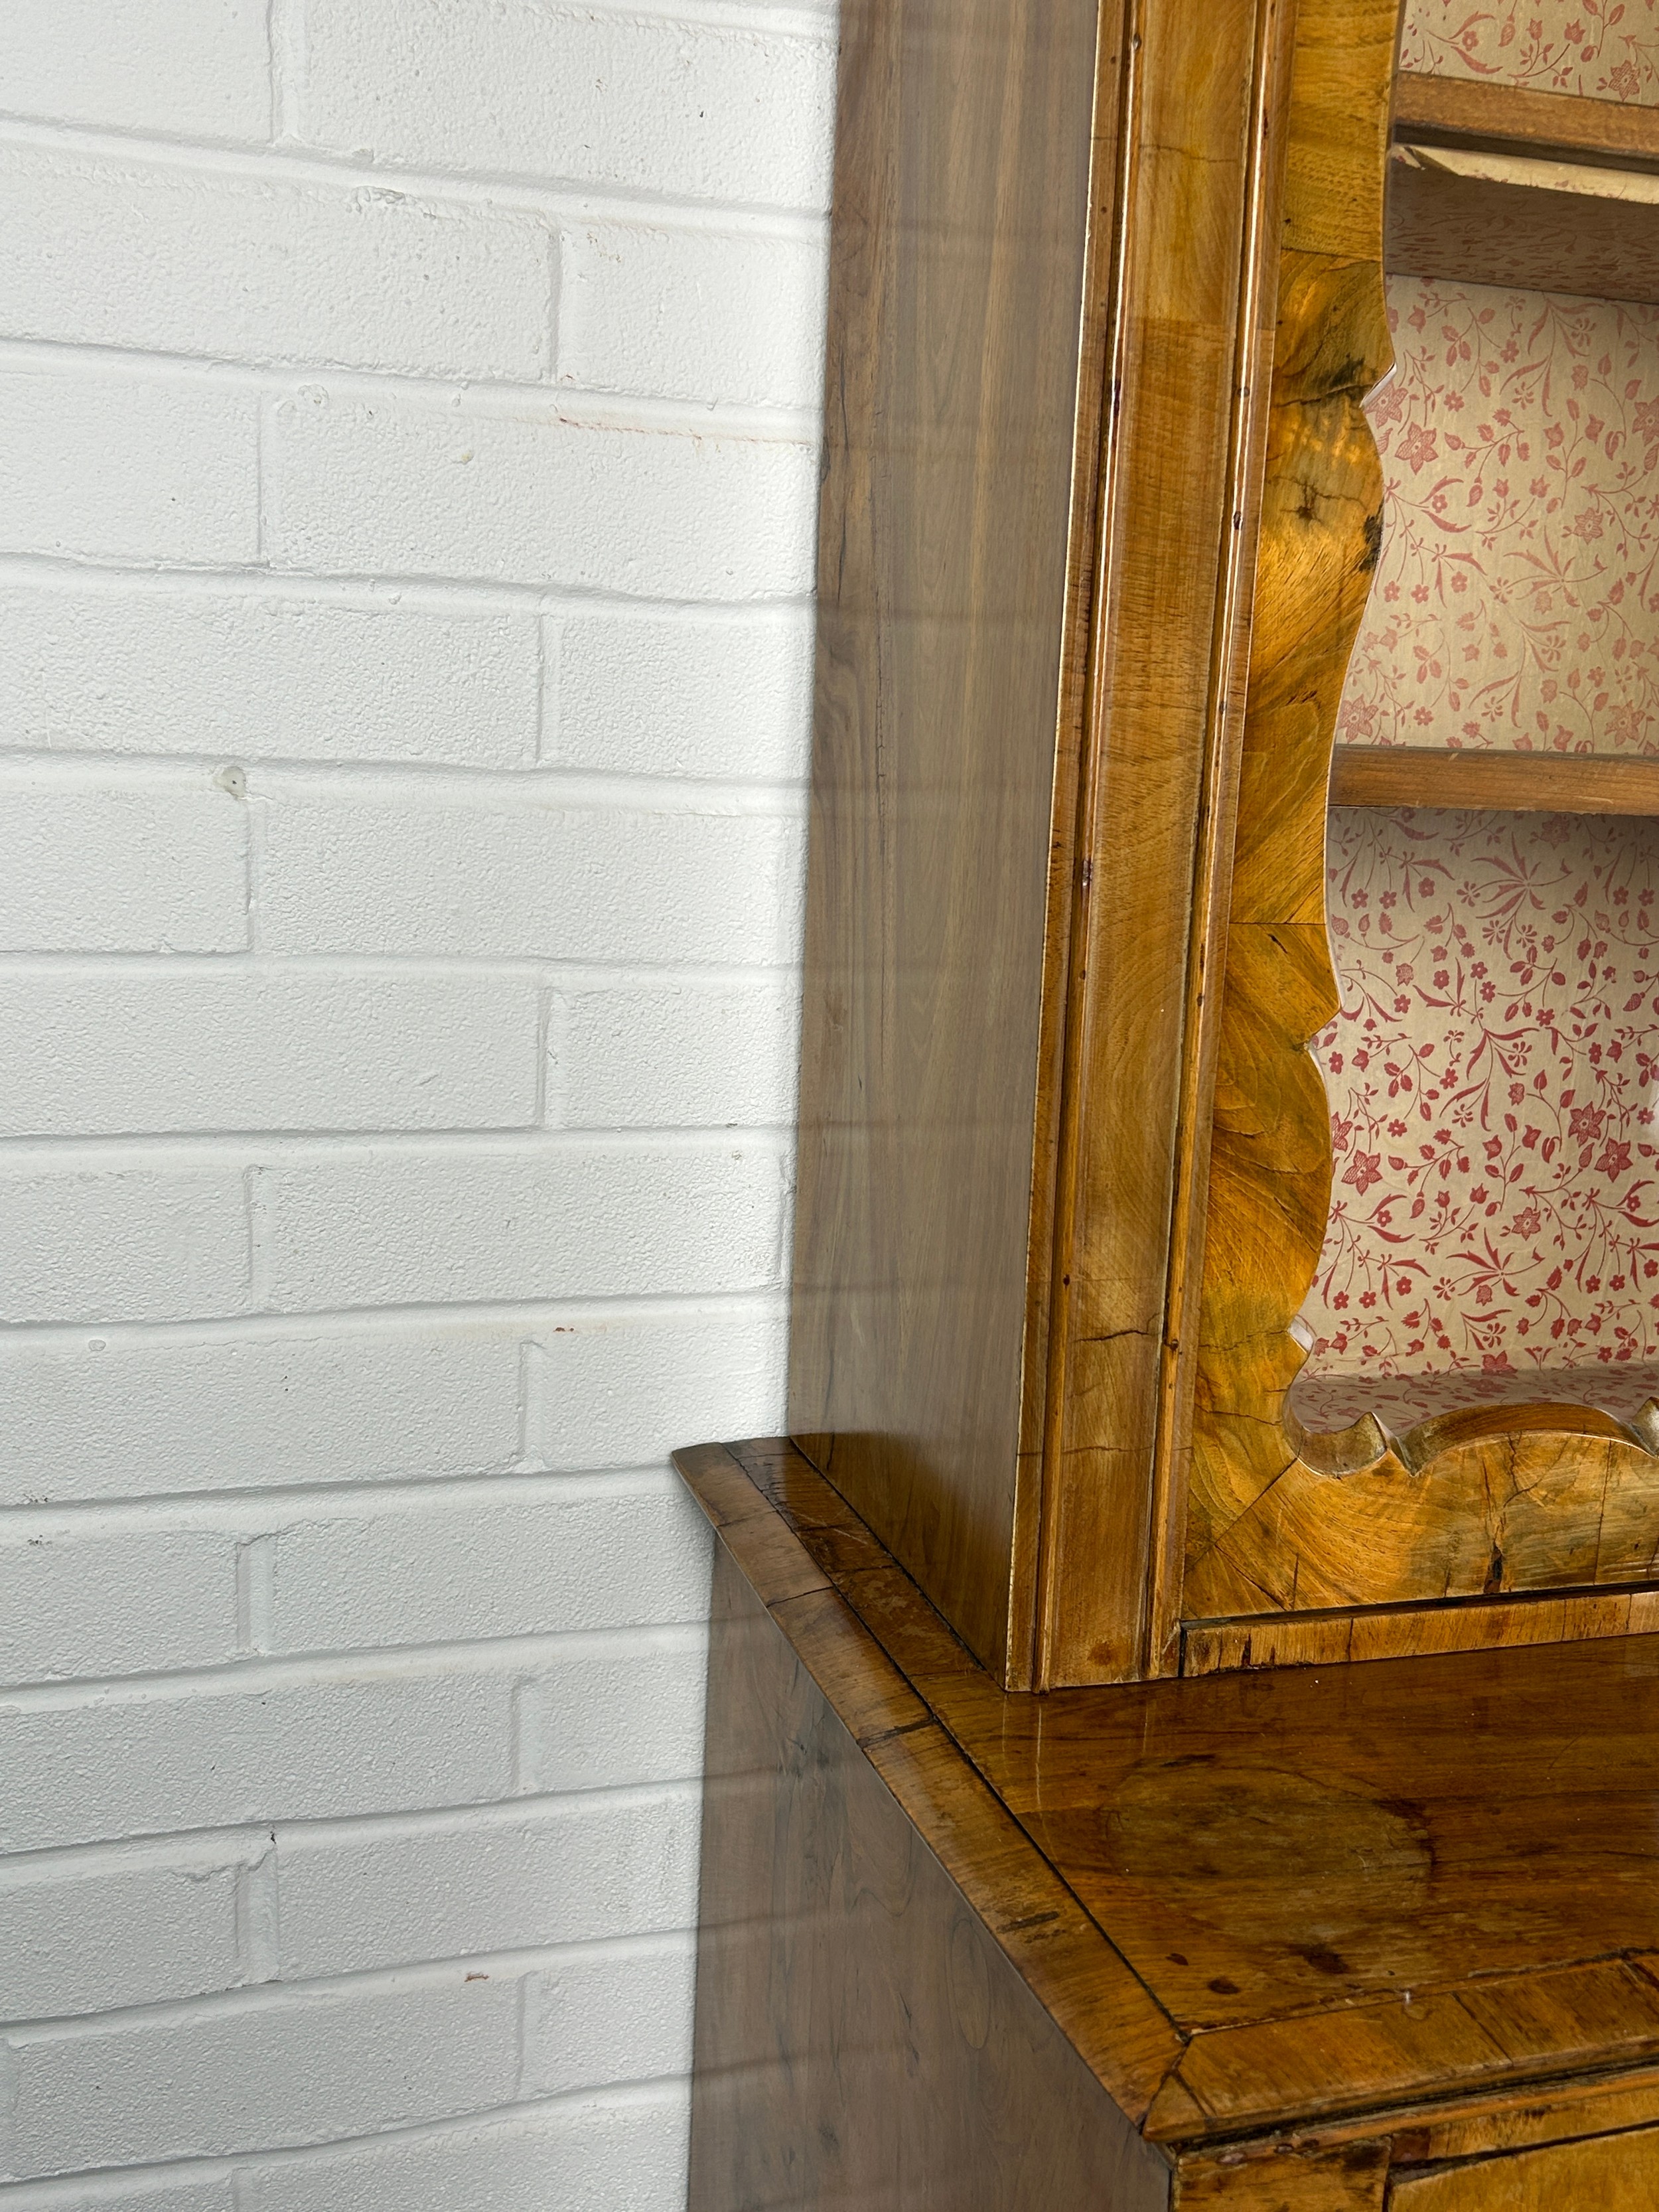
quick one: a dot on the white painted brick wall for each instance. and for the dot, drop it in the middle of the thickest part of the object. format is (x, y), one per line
(166, 666)
(160, 866)
(408, 422)
(715, 317)
(93, 1597)
(516, 878)
(681, 696)
(625, 2149)
(176, 258)
(126, 1245)
(204, 2078)
(608, 2015)
(581, 1867)
(511, 491)
(658, 105)
(593, 1553)
(127, 465)
(98, 1049)
(197, 68)
(84, 1932)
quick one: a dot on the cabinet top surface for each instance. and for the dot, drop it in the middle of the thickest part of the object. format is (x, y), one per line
(1354, 1885)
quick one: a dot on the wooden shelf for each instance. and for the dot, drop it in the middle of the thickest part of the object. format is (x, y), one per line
(1503, 119)
(1515, 783)
(1490, 184)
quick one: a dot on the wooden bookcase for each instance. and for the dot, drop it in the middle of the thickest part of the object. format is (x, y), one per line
(1037, 1871)
(1100, 511)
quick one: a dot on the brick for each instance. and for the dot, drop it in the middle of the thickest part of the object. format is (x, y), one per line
(300, 2069)
(624, 1390)
(95, 1051)
(130, 1417)
(135, 2190)
(452, 1569)
(692, 314)
(394, 486)
(646, 695)
(677, 1054)
(507, 87)
(123, 1935)
(626, 2153)
(173, 258)
(602, 2016)
(136, 1245)
(608, 1715)
(127, 468)
(129, 671)
(411, 1228)
(160, 869)
(222, 1750)
(84, 61)
(131, 1601)
(505, 881)
(577, 1870)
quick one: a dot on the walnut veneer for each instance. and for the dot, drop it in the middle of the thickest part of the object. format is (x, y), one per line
(1313, 1941)
(1141, 1895)
(1101, 510)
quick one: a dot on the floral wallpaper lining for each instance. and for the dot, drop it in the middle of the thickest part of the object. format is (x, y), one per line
(1495, 1206)
(1325, 1403)
(1601, 49)
(1516, 599)
(1493, 1073)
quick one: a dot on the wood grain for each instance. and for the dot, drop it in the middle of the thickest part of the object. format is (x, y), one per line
(1270, 1163)
(1463, 111)
(861, 2037)
(1311, 1930)
(1366, 2054)
(1519, 783)
(1097, 2002)
(1207, 91)
(1536, 234)
(971, 224)
(1332, 1639)
(1026, 729)
(1577, 2109)
(1288, 2178)
(1368, 1534)
(1064, 1159)
(1618, 2174)
(1558, 1503)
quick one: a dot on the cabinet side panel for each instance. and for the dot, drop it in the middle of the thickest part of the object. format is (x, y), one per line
(861, 2040)
(961, 226)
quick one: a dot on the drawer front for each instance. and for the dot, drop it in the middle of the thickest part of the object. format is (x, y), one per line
(1611, 2174)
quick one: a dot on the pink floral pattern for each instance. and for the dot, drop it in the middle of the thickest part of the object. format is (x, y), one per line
(1601, 49)
(1326, 1402)
(1492, 1072)
(1517, 601)
(1494, 1229)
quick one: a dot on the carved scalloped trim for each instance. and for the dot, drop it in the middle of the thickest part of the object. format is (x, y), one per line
(1280, 1519)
